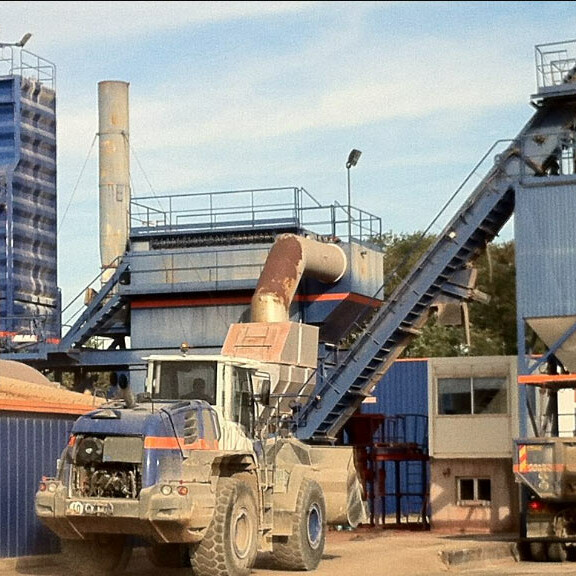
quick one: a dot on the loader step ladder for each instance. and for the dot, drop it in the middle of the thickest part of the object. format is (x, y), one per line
(266, 478)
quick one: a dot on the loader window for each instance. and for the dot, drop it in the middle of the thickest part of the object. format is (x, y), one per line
(242, 404)
(181, 380)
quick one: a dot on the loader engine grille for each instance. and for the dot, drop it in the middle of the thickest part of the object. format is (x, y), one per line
(106, 467)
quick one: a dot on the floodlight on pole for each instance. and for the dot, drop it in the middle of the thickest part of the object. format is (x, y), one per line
(20, 44)
(24, 40)
(353, 158)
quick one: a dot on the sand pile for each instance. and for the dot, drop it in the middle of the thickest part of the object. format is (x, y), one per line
(21, 382)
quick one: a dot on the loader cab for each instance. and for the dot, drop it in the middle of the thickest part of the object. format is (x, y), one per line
(183, 380)
(237, 389)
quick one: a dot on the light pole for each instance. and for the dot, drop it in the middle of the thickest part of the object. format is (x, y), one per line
(353, 158)
(23, 41)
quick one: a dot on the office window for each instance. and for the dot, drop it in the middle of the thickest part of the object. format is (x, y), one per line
(474, 491)
(472, 396)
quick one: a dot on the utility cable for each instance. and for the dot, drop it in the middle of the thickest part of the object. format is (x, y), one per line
(77, 184)
(133, 152)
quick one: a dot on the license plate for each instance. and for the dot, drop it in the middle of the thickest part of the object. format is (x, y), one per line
(78, 508)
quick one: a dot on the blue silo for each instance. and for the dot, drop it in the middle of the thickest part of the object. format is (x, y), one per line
(29, 296)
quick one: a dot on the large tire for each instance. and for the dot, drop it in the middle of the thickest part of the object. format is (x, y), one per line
(168, 555)
(230, 545)
(101, 554)
(538, 551)
(304, 548)
(557, 552)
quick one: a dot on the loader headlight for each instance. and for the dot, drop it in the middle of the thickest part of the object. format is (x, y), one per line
(47, 487)
(166, 490)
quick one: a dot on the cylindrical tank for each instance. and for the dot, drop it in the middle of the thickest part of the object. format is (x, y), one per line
(114, 172)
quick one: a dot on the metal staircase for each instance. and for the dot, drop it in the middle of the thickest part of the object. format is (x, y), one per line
(439, 271)
(98, 314)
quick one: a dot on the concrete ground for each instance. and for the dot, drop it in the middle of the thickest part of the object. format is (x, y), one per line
(371, 550)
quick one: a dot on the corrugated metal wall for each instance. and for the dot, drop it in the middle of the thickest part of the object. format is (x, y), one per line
(29, 297)
(403, 392)
(545, 237)
(30, 445)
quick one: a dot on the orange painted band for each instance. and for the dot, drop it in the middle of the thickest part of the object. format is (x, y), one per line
(173, 443)
(188, 302)
(543, 378)
(246, 299)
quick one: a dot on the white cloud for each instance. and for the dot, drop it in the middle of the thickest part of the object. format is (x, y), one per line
(237, 110)
(69, 23)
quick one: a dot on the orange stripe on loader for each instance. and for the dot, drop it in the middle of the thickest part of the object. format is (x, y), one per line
(173, 443)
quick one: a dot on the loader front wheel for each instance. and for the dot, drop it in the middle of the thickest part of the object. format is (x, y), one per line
(230, 545)
(304, 548)
(101, 554)
(557, 552)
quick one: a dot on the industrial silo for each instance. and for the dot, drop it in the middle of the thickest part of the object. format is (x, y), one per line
(29, 296)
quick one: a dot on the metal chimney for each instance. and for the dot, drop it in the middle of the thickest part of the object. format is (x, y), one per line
(114, 173)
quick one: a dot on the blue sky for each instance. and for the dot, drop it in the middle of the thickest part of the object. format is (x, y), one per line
(237, 95)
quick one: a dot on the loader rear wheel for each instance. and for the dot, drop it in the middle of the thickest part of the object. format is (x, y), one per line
(230, 545)
(100, 554)
(538, 551)
(168, 555)
(304, 548)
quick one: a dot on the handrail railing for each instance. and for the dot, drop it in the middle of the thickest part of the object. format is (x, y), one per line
(249, 210)
(27, 64)
(555, 62)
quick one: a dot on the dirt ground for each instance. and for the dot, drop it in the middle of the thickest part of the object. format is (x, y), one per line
(373, 552)
(370, 551)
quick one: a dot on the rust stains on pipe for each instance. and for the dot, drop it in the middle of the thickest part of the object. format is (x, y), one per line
(114, 172)
(290, 258)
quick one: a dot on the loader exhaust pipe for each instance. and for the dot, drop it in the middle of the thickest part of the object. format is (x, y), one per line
(290, 258)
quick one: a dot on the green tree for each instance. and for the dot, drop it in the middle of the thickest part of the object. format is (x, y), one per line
(497, 277)
(401, 252)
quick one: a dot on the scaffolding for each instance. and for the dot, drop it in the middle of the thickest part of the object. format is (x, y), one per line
(392, 453)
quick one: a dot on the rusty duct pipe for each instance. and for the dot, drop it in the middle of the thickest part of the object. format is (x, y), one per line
(290, 258)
